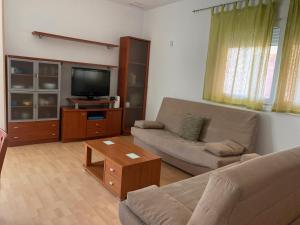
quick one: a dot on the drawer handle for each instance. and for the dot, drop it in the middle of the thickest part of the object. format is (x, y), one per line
(111, 170)
(15, 137)
(16, 127)
(97, 132)
(53, 125)
(111, 183)
(53, 134)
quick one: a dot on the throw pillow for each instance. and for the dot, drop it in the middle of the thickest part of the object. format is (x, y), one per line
(191, 127)
(146, 124)
(225, 148)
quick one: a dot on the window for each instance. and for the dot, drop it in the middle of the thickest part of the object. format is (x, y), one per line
(270, 80)
(238, 78)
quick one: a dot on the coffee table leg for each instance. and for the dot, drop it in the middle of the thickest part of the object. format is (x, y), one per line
(87, 161)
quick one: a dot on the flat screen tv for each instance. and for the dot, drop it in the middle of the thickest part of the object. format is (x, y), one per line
(90, 83)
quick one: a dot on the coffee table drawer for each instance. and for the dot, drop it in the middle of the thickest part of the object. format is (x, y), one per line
(113, 169)
(112, 184)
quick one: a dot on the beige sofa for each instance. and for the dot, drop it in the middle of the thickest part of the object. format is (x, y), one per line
(261, 191)
(221, 123)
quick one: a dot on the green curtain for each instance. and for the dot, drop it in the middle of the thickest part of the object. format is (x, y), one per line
(239, 47)
(288, 93)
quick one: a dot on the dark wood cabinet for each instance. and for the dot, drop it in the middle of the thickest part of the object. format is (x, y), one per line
(133, 79)
(76, 124)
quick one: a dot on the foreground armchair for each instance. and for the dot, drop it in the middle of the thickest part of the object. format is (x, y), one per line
(258, 190)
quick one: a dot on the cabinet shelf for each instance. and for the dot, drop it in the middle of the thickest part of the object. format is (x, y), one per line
(47, 106)
(137, 63)
(47, 76)
(22, 107)
(21, 75)
(67, 38)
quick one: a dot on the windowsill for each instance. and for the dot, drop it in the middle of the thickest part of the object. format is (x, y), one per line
(265, 110)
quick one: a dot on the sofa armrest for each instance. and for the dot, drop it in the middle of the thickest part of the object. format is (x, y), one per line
(247, 157)
(153, 206)
(147, 124)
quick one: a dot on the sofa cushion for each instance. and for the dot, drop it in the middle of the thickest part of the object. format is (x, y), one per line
(225, 148)
(147, 124)
(262, 191)
(222, 123)
(191, 126)
(156, 207)
(189, 191)
(171, 144)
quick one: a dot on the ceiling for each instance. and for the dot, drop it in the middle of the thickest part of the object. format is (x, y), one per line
(145, 4)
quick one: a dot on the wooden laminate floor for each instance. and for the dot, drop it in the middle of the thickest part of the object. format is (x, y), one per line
(46, 185)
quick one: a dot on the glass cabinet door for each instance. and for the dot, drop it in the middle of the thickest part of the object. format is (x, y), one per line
(47, 106)
(21, 75)
(48, 76)
(137, 69)
(22, 106)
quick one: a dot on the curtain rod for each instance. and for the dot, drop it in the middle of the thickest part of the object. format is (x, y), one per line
(211, 7)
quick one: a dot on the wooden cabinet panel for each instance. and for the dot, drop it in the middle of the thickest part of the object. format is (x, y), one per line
(74, 125)
(32, 132)
(114, 121)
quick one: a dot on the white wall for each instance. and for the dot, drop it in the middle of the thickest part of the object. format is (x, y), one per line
(179, 71)
(2, 77)
(98, 20)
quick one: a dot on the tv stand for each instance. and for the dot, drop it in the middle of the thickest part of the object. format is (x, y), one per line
(90, 123)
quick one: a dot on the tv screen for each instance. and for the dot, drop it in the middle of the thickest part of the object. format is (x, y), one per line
(90, 82)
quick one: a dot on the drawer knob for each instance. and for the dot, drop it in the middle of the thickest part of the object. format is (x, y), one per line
(110, 183)
(16, 127)
(97, 124)
(53, 134)
(15, 137)
(111, 170)
(53, 125)
(97, 132)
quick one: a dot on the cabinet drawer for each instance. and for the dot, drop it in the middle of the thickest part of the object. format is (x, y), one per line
(32, 127)
(113, 169)
(93, 124)
(31, 131)
(112, 184)
(96, 132)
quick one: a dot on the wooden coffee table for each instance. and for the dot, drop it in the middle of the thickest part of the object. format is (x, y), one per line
(117, 172)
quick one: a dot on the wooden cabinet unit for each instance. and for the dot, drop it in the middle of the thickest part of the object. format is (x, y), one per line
(79, 124)
(33, 93)
(133, 79)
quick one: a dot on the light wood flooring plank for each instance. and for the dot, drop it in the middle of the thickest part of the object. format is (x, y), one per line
(46, 185)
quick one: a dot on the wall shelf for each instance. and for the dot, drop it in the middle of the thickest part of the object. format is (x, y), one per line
(55, 36)
(63, 61)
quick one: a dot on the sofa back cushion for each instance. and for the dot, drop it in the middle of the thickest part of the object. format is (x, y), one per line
(262, 191)
(221, 123)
